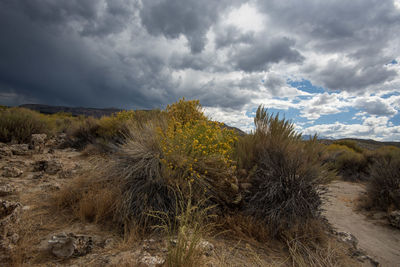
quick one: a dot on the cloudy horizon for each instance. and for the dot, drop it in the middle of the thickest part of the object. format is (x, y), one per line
(332, 67)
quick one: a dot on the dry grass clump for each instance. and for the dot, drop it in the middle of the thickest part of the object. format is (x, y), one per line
(383, 188)
(185, 231)
(18, 125)
(286, 174)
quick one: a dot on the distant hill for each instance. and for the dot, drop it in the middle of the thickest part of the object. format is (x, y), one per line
(364, 143)
(94, 112)
(75, 111)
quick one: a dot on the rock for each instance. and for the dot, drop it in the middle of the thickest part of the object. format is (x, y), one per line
(5, 152)
(61, 246)
(11, 172)
(20, 149)
(207, 247)
(6, 190)
(38, 142)
(70, 245)
(348, 238)
(147, 260)
(394, 218)
(47, 166)
(9, 216)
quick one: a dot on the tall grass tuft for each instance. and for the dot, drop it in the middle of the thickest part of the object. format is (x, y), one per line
(287, 175)
(185, 230)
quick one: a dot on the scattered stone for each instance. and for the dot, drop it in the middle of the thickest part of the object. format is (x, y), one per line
(5, 151)
(9, 216)
(61, 246)
(20, 149)
(348, 238)
(6, 190)
(47, 166)
(147, 260)
(12, 172)
(38, 142)
(207, 247)
(70, 245)
(394, 218)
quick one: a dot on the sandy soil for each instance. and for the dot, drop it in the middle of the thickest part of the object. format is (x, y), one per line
(375, 236)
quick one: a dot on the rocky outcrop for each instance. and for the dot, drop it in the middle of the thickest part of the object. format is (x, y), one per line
(354, 251)
(394, 218)
(9, 216)
(20, 149)
(70, 245)
(38, 142)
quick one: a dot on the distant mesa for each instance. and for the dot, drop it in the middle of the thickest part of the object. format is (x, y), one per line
(75, 111)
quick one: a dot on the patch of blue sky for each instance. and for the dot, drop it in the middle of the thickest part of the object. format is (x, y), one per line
(394, 62)
(306, 86)
(348, 117)
(390, 94)
(395, 119)
(289, 114)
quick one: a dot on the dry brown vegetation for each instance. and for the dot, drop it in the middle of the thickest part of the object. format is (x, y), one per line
(178, 175)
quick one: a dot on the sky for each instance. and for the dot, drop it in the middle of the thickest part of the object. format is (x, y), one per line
(332, 67)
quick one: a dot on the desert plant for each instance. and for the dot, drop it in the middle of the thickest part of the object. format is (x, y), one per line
(348, 162)
(288, 178)
(185, 230)
(198, 150)
(383, 189)
(350, 144)
(18, 125)
(82, 133)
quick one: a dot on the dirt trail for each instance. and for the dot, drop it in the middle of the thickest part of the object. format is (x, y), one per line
(375, 236)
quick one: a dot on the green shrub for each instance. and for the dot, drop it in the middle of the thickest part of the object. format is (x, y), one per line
(287, 176)
(383, 189)
(349, 163)
(350, 144)
(18, 125)
(167, 154)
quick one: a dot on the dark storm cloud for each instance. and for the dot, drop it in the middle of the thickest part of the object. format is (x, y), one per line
(44, 58)
(129, 53)
(259, 55)
(191, 18)
(90, 17)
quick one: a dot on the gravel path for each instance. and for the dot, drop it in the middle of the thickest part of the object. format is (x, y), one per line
(375, 236)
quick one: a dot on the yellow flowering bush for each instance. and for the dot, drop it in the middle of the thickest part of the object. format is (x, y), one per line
(198, 150)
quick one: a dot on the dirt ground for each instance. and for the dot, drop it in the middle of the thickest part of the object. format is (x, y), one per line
(375, 236)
